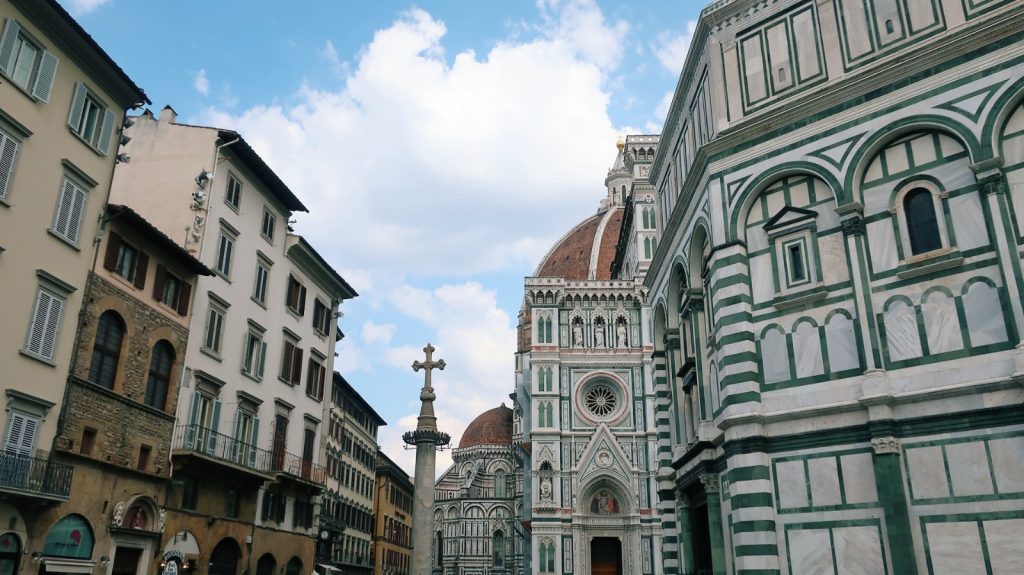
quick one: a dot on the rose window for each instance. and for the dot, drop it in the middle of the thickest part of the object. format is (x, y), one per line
(601, 401)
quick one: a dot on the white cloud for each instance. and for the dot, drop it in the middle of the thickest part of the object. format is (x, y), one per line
(671, 47)
(330, 54)
(448, 177)
(373, 333)
(80, 7)
(201, 83)
(581, 25)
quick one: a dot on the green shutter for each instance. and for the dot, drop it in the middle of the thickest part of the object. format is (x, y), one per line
(252, 441)
(11, 30)
(211, 443)
(193, 421)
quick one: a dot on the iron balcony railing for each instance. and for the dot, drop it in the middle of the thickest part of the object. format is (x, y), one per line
(35, 476)
(283, 462)
(193, 437)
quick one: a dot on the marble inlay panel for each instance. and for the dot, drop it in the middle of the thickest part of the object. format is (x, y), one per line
(761, 280)
(968, 221)
(968, 468)
(901, 334)
(941, 324)
(927, 472)
(792, 484)
(882, 245)
(859, 478)
(1005, 551)
(775, 357)
(824, 477)
(984, 315)
(955, 548)
(842, 344)
(1008, 461)
(810, 551)
(858, 550)
(807, 347)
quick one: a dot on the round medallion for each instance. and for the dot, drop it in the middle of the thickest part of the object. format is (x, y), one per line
(604, 459)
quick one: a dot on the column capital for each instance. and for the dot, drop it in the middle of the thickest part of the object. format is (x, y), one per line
(853, 226)
(710, 483)
(886, 445)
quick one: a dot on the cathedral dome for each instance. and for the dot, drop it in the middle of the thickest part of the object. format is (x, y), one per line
(587, 251)
(492, 427)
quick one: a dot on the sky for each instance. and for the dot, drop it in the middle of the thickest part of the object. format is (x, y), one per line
(442, 147)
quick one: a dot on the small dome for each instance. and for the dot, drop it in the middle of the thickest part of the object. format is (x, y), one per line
(587, 251)
(492, 427)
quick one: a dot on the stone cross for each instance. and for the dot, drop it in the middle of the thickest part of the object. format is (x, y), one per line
(428, 365)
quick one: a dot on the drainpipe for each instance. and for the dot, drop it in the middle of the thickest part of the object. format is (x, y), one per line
(209, 198)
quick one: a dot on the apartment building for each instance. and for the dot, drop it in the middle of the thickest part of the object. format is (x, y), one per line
(245, 451)
(62, 102)
(392, 510)
(351, 459)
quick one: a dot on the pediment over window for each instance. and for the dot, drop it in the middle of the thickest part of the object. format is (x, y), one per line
(789, 215)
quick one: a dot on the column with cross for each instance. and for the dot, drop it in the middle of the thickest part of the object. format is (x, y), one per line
(427, 440)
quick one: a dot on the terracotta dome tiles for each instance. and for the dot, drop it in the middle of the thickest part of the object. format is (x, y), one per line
(492, 427)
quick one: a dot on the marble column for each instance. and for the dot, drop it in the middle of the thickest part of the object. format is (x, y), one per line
(715, 534)
(892, 496)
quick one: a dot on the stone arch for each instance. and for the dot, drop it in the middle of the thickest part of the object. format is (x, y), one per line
(999, 114)
(120, 311)
(266, 565)
(612, 484)
(876, 142)
(224, 557)
(71, 537)
(753, 189)
(137, 512)
(293, 567)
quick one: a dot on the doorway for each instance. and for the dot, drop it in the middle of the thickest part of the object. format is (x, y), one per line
(605, 556)
(701, 539)
(126, 561)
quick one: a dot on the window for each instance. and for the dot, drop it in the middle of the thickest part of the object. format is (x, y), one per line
(922, 224)
(255, 353)
(67, 216)
(106, 349)
(171, 291)
(88, 441)
(231, 503)
(125, 260)
(233, 194)
(21, 434)
(500, 484)
(225, 249)
(28, 65)
(795, 257)
(315, 375)
(499, 549)
(8, 154)
(268, 225)
(296, 296)
(144, 452)
(291, 361)
(321, 317)
(42, 331)
(189, 493)
(259, 289)
(214, 328)
(547, 557)
(159, 380)
(90, 119)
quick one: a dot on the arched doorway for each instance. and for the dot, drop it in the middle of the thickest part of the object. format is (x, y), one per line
(606, 556)
(266, 565)
(10, 552)
(294, 566)
(224, 559)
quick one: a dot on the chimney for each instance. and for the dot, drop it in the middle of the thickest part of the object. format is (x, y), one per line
(168, 115)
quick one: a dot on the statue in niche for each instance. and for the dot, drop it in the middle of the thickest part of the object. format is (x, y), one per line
(577, 333)
(604, 503)
(545, 489)
(599, 332)
(620, 335)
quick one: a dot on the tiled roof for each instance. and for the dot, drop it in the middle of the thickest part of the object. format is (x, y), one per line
(492, 427)
(571, 256)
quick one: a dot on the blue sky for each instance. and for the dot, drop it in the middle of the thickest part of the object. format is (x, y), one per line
(442, 147)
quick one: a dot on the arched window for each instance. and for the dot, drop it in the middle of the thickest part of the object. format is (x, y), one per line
(922, 225)
(500, 484)
(10, 553)
(293, 567)
(647, 221)
(439, 550)
(159, 374)
(499, 548)
(647, 248)
(547, 556)
(266, 565)
(71, 538)
(106, 351)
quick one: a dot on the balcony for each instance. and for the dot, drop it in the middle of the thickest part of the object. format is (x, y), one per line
(204, 444)
(292, 466)
(31, 478)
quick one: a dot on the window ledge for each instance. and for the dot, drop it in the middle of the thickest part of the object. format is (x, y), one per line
(38, 358)
(64, 240)
(930, 262)
(262, 304)
(813, 293)
(209, 352)
(251, 376)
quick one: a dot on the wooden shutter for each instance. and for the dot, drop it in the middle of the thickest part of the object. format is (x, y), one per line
(44, 77)
(62, 217)
(296, 366)
(302, 300)
(8, 151)
(106, 131)
(158, 283)
(141, 267)
(184, 293)
(77, 210)
(211, 444)
(77, 106)
(262, 360)
(11, 31)
(21, 434)
(113, 245)
(268, 502)
(286, 360)
(43, 331)
(252, 441)
(282, 503)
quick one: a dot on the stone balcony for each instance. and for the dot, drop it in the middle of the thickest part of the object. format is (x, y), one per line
(31, 478)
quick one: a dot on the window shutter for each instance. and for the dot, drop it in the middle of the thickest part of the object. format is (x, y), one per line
(282, 503)
(44, 78)
(62, 217)
(302, 300)
(297, 366)
(268, 501)
(8, 150)
(77, 105)
(252, 441)
(106, 130)
(11, 30)
(310, 375)
(262, 359)
(77, 209)
(21, 434)
(113, 245)
(141, 266)
(184, 293)
(211, 444)
(158, 284)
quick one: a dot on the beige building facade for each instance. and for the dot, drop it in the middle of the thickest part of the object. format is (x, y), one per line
(62, 102)
(392, 509)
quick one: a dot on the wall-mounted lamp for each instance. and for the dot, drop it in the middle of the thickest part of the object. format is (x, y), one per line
(128, 122)
(37, 557)
(202, 179)
(122, 158)
(199, 196)
(104, 560)
(125, 139)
